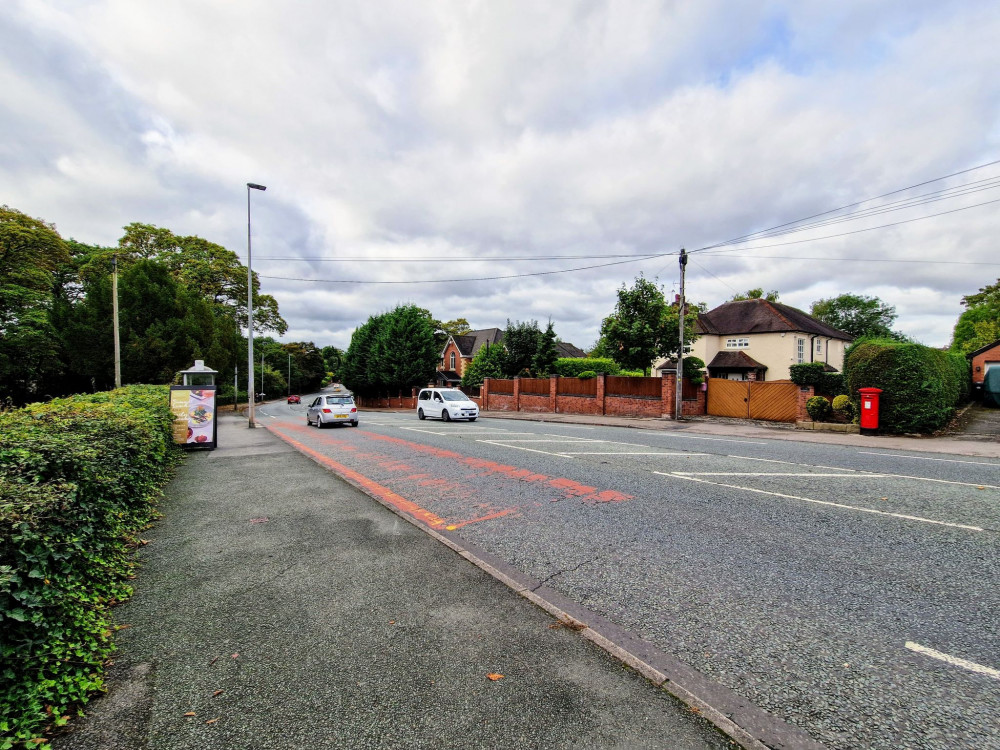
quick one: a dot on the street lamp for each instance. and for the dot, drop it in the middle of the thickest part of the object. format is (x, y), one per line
(252, 424)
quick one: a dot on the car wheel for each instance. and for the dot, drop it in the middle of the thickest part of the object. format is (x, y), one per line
(472, 419)
(354, 424)
(308, 422)
(420, 414)
(319, 422)
(446, 416)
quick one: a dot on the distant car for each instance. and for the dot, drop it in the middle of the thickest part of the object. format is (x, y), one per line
(446, 404)
(294, 400)
(334, 409)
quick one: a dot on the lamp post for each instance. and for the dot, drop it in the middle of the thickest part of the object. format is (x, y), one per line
(289, 374)
(252, 424)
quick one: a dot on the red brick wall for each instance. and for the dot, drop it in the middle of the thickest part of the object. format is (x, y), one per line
(577, 405)
(625, 406)
(533, 403)
(806, 392)
(502, 402)
(993, 355)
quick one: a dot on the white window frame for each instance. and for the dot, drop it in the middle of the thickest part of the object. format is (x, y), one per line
(452, 361)
(800, 350)
(740, 342)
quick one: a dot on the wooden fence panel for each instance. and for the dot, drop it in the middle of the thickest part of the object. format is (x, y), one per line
(775, 401)
(502, 386)
(576, 387)
(616, 385)
(535, 386)
(728, 398)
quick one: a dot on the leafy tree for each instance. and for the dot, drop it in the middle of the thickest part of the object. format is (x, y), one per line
(31, 251)
(758, 293)
(644, 327)
(332, 357)
(405, 352)
(979, 325)
(546, 355)
(858, 315)
(489, 362)
(358, 357)
(521, 342)
(457, 327)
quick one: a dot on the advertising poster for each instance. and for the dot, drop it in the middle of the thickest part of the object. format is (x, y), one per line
(194, 415)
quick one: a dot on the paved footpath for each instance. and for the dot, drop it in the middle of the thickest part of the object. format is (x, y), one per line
(278, 606)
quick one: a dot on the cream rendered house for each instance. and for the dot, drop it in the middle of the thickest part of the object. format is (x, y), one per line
(761, 339)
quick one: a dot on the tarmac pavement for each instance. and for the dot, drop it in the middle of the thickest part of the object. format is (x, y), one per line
(278, 606)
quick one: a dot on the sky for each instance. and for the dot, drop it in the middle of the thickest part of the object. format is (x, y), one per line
(439, 145)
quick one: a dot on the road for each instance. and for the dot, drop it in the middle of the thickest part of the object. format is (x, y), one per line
(848, 591)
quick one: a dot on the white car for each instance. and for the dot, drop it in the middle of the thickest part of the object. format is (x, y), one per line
(446, 404)
(335, 409)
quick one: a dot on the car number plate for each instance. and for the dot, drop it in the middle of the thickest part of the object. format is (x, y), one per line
(340, 416)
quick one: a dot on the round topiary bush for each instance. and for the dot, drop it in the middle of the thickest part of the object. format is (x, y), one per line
(587, 374)
(818, 408)
(842, 407)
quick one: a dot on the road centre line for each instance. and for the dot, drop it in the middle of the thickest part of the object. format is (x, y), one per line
(572, 441)
(629, 453)
(520, 448)
(717, 440)
(776, 474)
(978, 485)
(873, 511)
(954, 660)
(925, 458)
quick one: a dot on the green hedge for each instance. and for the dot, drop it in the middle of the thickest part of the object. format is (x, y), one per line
(78, 479)
(920, 386)
(814, 373)
(571, 367)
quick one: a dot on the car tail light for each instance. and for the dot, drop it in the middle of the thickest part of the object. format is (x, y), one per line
(354, 410)
(327, 411)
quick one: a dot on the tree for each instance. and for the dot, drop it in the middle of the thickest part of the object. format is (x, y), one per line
(521, 342)
(457, 327)
(489, 362)
(31, 251)
(332, 357)
(546, 355)
(644, 327)
(758, 293)
(391, 351)
(858, 315)
(979, 325)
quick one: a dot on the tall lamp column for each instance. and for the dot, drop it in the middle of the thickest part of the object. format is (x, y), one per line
(250, 400)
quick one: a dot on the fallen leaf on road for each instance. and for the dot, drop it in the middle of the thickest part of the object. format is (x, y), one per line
(236, 655)
(980, 488)
(883, 498)
(694, 709)
(495, 676)
(212, 721)
(144, 542)
(190, 713)
(213, 661)
(218, 692)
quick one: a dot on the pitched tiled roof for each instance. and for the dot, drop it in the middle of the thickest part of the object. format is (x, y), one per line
(762, 316)
(568, 350)
(470, 343)
(734, 361)
(982, 349)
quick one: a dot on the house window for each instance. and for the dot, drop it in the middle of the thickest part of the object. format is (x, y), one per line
(819, 346)
(451, 360)
(741, 343)
(801, 350)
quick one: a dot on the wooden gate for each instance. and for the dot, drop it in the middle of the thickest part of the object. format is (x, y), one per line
(776, 401)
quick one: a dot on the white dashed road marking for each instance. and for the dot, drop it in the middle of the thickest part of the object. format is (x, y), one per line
(954, 660)
(925, 458)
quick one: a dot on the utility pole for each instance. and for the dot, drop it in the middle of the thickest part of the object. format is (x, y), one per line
(236, 387)
(114, 315)
(250, 413)
(679, 389)
(289, 373)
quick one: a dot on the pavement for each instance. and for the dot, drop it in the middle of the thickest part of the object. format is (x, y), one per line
(278, 606)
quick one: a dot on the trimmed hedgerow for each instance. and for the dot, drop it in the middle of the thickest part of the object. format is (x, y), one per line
(920, 386)
(814, 373)
(78, 479)
(572, 367)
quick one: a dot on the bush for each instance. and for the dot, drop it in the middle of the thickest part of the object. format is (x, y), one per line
(78, 478)
(818, 408)
(920, 386)
(806, 373)
(842, 406)
(572, 367)
(632, 373)
(587, 374)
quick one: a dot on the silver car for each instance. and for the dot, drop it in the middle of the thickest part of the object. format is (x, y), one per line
(336, 409)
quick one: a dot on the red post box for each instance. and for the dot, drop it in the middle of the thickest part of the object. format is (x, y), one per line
(869, 410)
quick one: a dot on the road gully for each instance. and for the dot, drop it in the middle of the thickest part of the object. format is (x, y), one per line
(850, 592)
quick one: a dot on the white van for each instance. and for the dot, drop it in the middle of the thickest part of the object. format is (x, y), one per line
(446, 404)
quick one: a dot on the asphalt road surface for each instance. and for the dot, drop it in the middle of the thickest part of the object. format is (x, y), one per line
(849, 591)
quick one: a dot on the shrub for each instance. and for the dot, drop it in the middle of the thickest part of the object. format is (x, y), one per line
(806, 373)
(587, 374)
(572, 367)
(632, 373)
(842, 407)
(920, 386)
(693, 370)
(818, 408)
(78, 477)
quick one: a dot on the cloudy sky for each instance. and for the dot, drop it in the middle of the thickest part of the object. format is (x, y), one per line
(431, 142)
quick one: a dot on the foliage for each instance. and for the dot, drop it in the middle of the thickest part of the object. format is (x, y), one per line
(489, 362)
(587, 375)
(843, 407)
(815, 374)
(694, 370)
(570, 367)
(78, 479)
(521, 341)
(544, 362)
(920, 386)
(979, 325)
(457, 327)
(632, 373)
(818, 408)
(391, 351)
(758, 293)
(643, 327)
(332, 357)
(858, 315)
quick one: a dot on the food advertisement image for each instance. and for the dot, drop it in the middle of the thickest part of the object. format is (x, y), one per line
(194, 415)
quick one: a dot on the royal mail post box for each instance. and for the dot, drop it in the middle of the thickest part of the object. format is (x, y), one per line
(869, 410)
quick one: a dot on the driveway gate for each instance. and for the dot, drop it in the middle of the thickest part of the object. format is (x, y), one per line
(775, 401)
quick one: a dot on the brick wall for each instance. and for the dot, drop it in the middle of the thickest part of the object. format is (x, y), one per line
(630, 406)
(993, 355)
(578, 405)
(806, 392)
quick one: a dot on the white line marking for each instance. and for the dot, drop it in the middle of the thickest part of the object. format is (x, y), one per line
(675, 475)
(924, 458)
(571, 441)
(629, 453)
(518, 447)
(717, 440)
(964, 663)
(775, 474)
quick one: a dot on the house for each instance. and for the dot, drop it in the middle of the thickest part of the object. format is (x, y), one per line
(459, 351)
(982, 360)
(756, 339)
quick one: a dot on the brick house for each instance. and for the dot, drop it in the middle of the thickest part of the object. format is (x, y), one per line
(982, 360)
(758, 339)
(459, 351)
